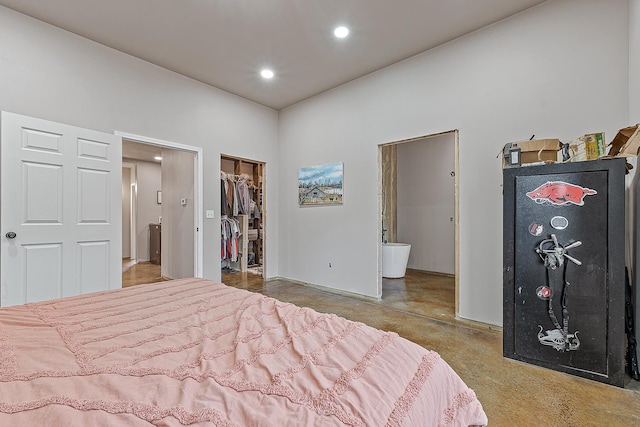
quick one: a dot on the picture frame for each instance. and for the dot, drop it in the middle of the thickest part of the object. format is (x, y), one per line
(321, 184)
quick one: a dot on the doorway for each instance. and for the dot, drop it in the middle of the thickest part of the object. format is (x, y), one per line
(243, 217)
(165, 193)
(418, 205)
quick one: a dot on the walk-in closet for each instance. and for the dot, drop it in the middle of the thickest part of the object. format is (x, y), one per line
(242, 215)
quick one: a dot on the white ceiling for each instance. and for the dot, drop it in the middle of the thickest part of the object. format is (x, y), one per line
(225, 43)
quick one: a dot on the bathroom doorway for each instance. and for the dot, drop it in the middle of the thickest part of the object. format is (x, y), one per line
(418, 205)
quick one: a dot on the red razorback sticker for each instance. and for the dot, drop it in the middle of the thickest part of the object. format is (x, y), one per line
(560, 193)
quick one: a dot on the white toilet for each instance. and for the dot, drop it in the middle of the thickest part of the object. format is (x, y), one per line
(394, 259)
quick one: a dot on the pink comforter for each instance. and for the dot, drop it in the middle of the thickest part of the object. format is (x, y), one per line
(193, 351)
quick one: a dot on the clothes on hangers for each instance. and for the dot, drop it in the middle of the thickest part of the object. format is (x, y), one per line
(237, 195)
(236, 199)
(243, 195)
(224, 204)
(230, 239)
(255, 212)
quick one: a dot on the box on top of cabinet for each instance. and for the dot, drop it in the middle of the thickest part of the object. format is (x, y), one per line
(532, 151)
(626, 143)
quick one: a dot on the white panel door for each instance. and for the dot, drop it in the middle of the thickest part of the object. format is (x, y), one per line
(60, 210)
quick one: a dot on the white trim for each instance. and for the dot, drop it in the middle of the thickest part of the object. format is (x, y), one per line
(198, 192)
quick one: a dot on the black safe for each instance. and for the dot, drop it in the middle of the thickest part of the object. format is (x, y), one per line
(564, 267)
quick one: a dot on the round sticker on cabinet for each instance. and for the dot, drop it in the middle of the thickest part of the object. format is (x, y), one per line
(559, 222)
(536, 229)
(543, 292)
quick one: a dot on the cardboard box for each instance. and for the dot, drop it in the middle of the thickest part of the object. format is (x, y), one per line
(626, 143)
(538, 150)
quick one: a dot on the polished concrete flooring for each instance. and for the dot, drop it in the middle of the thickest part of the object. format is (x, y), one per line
(137, 274)
(420, 307)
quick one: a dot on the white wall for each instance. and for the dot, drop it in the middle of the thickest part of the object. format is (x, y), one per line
(52, 74)
(148, 211)
(426, 202)
(542, 72)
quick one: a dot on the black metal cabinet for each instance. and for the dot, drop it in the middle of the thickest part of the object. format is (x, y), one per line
(563, 261)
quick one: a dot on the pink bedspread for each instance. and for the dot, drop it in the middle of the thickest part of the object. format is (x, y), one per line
(196, 352)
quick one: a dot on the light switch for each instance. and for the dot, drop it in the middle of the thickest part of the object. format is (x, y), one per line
(209, 213)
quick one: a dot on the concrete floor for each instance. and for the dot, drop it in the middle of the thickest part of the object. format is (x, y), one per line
(136, 274)
(420, 308)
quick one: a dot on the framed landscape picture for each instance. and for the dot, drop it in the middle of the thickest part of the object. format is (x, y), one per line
(320, 185)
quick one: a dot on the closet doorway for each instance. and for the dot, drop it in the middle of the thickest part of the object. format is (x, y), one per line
(243, 217)
(418, 205)
(162, 196)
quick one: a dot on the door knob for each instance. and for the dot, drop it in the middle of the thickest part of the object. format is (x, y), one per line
(10, 235)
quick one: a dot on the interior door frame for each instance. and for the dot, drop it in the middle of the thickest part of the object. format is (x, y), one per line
(198, 267)
(133, 188)
(455, 134)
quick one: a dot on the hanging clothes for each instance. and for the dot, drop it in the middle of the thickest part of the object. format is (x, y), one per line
(243, 195)
(231, 194)
(253, 208)
(236, 199)
(224, 204)
(230, 239)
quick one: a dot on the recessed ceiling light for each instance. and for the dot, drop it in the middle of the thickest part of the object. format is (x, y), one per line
(341, 32)
(266, 73)
(158, 158)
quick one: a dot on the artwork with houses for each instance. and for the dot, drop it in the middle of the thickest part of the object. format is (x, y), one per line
(321, 184)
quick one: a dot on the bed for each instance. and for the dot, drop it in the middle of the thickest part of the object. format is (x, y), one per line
(197, 352)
